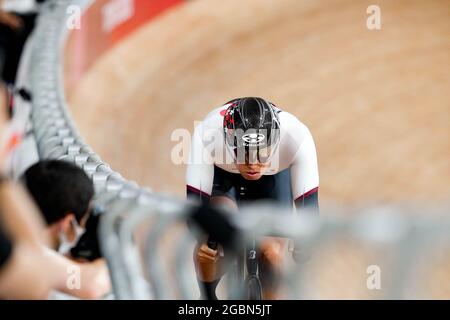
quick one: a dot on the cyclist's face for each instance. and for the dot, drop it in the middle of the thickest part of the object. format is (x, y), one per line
(252, 171)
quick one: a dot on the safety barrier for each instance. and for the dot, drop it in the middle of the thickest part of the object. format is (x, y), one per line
(56, 134)
(151, 249)
(54, 131)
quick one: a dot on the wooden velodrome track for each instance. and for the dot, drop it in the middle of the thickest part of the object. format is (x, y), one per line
(377, 102)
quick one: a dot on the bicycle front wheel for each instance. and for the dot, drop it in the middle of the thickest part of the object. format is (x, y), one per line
(254, 288)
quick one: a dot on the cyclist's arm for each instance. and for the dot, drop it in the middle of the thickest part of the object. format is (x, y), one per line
(305, 186)
(223, 201)
(305, 175)
(223, 195)
(199, 173)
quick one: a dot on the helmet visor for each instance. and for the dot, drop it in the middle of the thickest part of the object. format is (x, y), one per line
(246, 155)
(253, 145)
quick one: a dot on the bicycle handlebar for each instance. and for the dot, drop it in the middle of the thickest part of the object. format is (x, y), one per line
(212, 244)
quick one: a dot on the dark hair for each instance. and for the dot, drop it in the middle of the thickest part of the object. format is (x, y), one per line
(59, 188)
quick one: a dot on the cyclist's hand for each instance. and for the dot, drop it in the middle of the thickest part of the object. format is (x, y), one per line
(208, 263)
(207, 255)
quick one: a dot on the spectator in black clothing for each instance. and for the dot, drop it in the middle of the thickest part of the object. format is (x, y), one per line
(17, 20)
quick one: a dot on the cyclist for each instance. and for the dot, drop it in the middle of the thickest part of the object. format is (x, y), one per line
(250, 150)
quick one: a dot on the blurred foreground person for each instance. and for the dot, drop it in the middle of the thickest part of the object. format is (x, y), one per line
(64, 193)
(29, 269)
(24, 269)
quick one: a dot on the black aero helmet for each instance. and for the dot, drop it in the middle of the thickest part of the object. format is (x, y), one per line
(251, 124)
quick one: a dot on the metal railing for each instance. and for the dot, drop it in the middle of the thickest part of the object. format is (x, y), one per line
(146, 273)
(55, 133)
